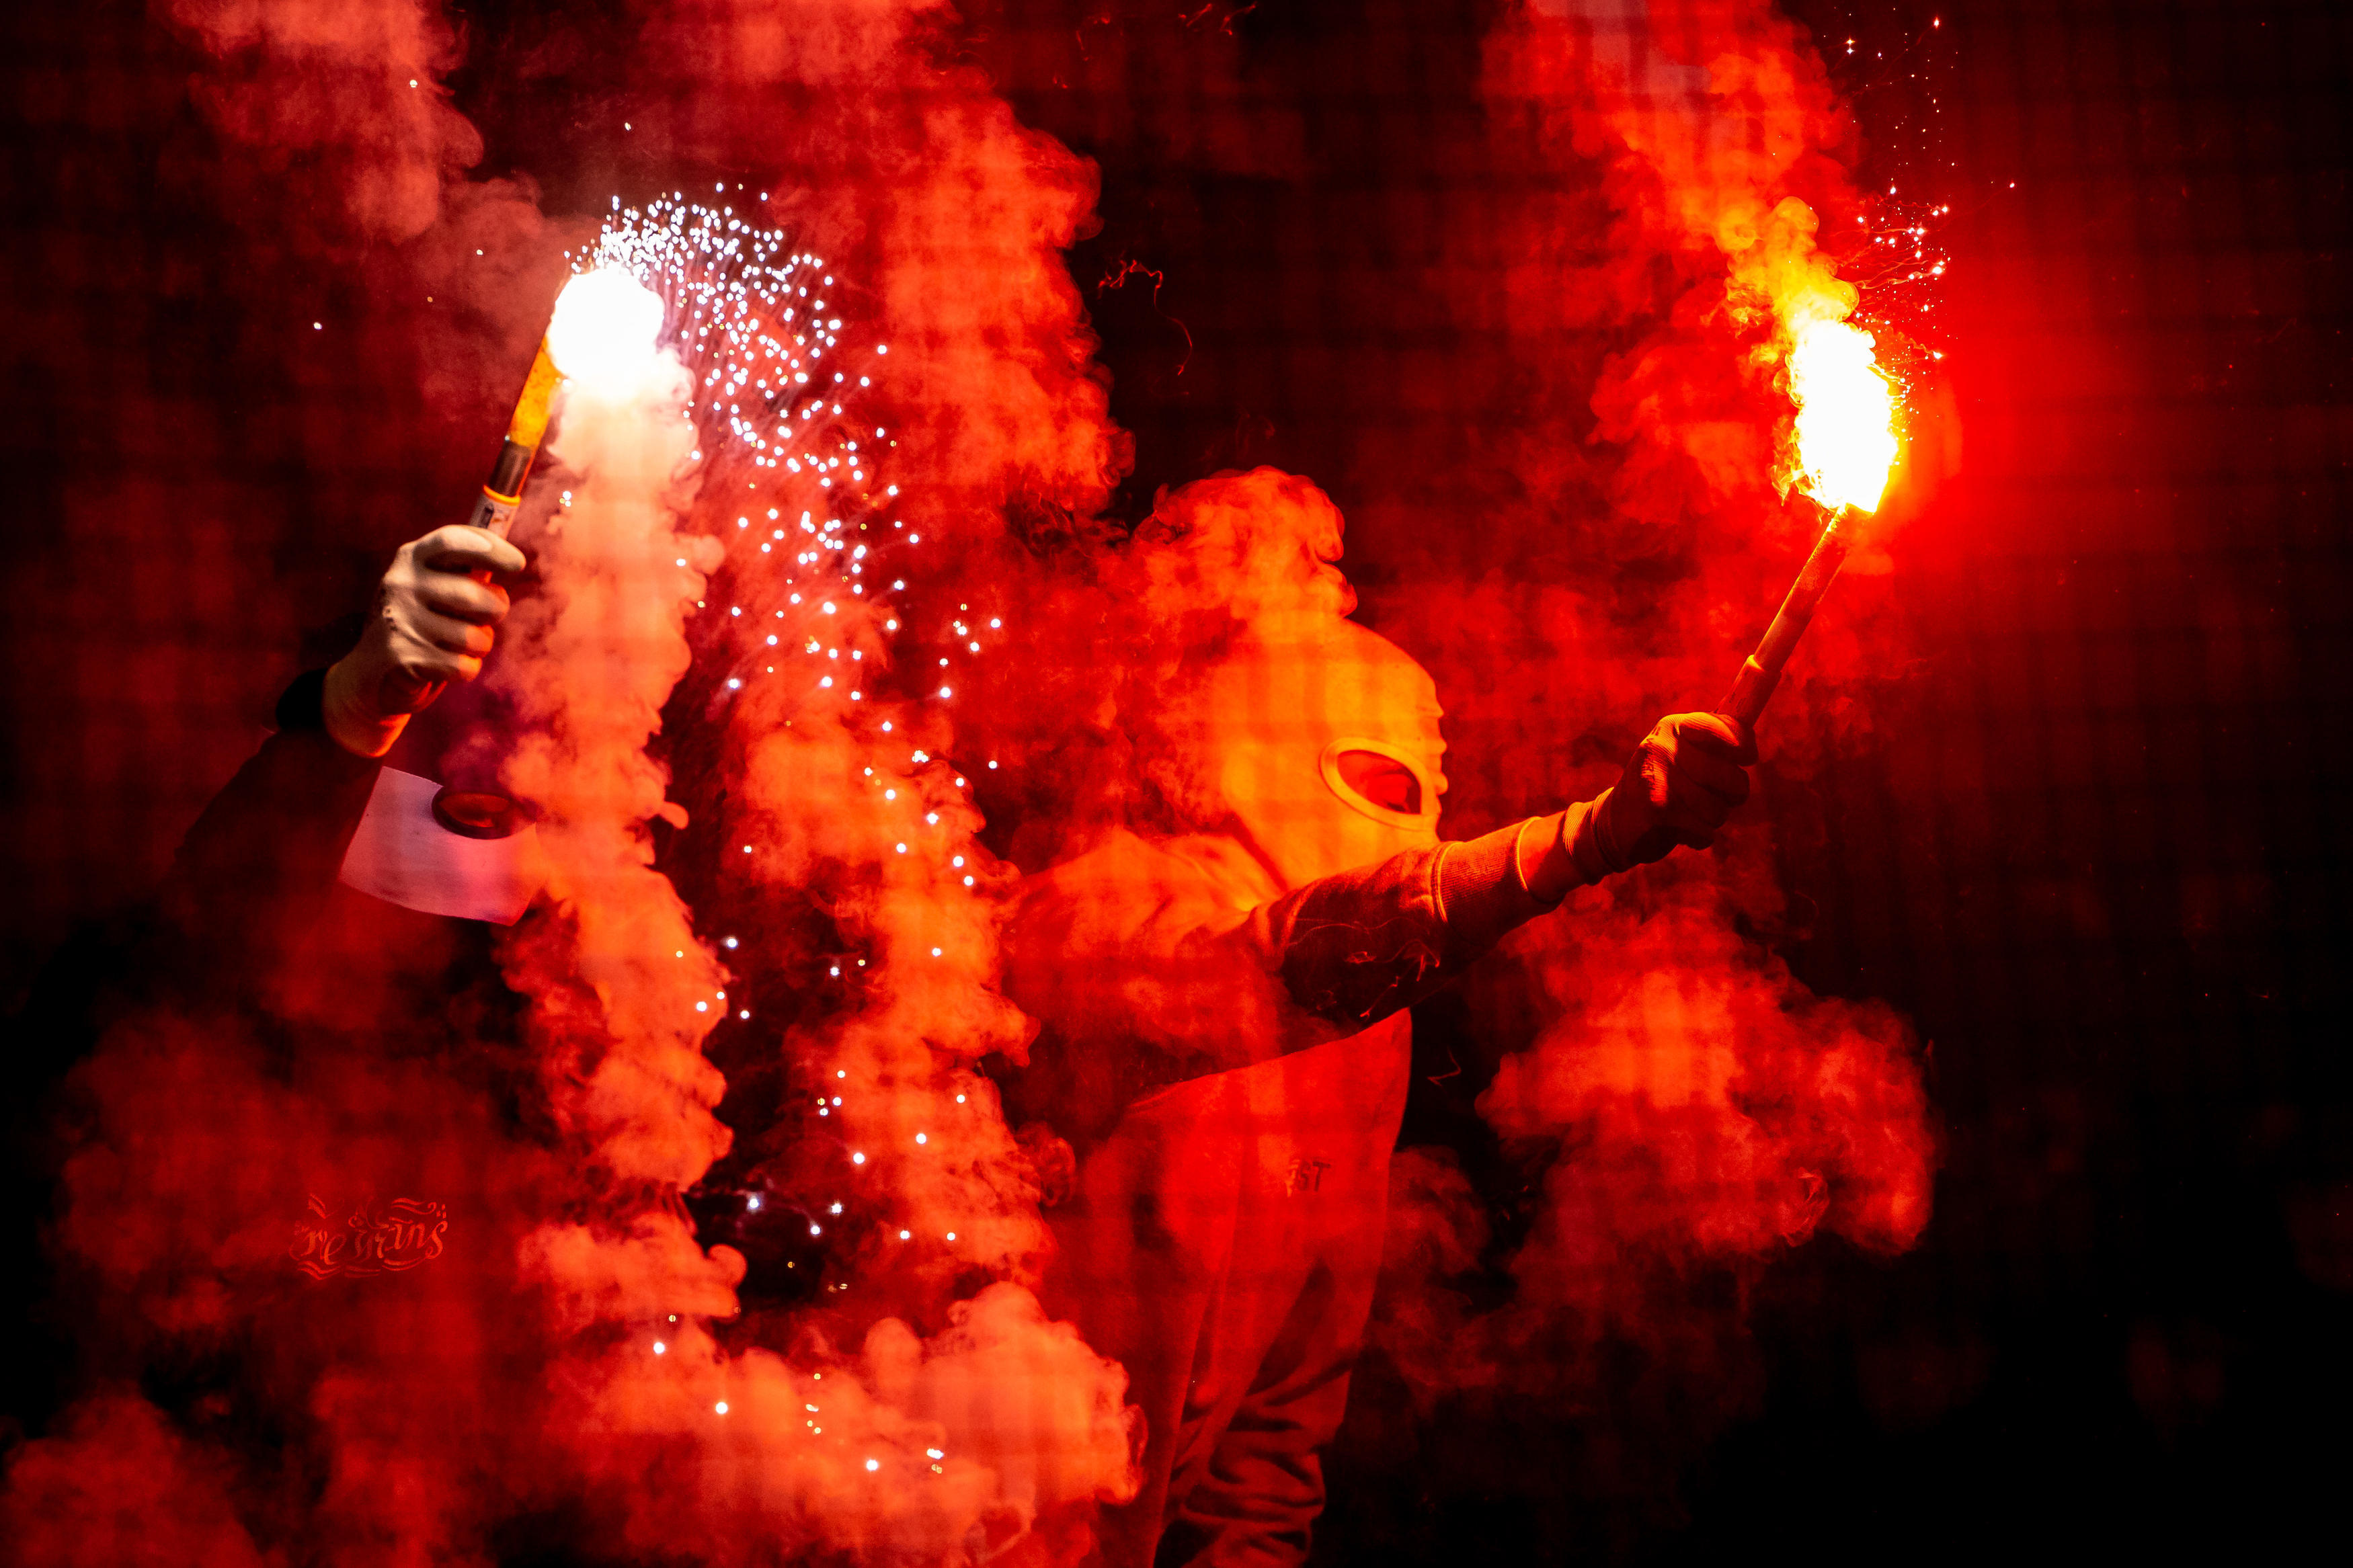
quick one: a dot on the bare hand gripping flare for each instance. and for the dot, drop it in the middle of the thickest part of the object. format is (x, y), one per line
(1846, 444)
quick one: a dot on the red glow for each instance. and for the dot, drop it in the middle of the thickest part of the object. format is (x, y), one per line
(533, 1322)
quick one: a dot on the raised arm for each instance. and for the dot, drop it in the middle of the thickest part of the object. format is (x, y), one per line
(1353, 948)
(1150, 963)
(272, 842)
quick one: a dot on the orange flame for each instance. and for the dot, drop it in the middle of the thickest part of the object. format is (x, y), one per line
(1846, 414)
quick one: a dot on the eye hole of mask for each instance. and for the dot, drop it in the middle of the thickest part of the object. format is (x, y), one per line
(1384, 781)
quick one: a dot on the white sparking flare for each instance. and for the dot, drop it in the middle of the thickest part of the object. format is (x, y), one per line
(605, 330)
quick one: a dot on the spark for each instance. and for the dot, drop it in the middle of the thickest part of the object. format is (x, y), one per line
(735, 311)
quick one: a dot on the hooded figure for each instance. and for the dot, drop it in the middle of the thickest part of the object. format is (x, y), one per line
(1227, 1046)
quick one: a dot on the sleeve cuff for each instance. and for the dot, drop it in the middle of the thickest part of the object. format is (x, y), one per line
(302, 706)
(1480, 889)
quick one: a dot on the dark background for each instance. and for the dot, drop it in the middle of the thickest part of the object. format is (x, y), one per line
(2099, 861)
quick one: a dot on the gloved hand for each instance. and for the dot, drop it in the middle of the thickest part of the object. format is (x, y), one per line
(1681, 781)
(434, 615)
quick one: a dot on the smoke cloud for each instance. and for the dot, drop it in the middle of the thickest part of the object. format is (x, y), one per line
(1694, 1112)
(757, 712)
(550, 1347)
(1682, 1111)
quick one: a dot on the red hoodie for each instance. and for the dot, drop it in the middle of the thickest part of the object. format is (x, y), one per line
(1232, 1059)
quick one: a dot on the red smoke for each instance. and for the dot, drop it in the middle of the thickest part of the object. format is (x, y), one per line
(1687, 1108)
(1708, 1114)
(935, 203)
(1689, 1111)
(117, 1485)
(554, 1356)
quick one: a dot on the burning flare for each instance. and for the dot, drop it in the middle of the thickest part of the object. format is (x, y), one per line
(605, 328)
(604, 332)
(1846, 416)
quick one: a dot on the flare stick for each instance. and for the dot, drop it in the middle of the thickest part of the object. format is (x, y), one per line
(494, 509)
(1761, 671)
(604, 328)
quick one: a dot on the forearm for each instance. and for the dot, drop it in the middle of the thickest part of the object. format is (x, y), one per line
(278, 830)
(1147, 972)
(1356, 947)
